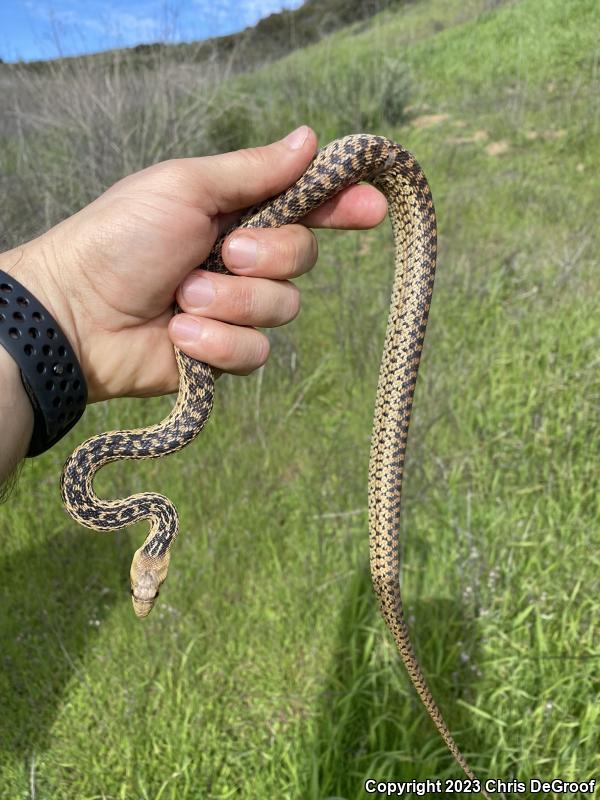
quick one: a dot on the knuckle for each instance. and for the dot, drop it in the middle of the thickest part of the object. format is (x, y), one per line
(173, 174)
(245, 301)
(224, 345)
(290, 251)
(171, 169)
(254, 160)
(295, 248)
(253, 156)
(242, 350)
(256, 351)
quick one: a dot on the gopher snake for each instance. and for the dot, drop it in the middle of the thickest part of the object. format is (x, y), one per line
(345, 161)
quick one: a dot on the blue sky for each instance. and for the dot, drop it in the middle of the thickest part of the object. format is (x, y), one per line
(41, 29)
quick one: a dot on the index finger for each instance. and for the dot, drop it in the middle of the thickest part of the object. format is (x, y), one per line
(355, 207)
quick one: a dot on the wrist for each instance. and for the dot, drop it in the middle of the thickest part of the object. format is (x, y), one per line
(16, 416)
(47, 363)
(35, 265)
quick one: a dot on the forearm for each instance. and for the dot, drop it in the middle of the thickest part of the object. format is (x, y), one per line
(16, 417)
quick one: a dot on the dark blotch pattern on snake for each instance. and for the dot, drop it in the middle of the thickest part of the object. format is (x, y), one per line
(397, 174)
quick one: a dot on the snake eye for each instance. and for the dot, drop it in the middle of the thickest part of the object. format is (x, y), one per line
(157, 593)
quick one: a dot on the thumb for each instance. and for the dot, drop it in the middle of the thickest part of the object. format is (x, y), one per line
(236, 180)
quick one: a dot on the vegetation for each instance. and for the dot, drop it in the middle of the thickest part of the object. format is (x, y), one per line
(272, 37)
(265, 670)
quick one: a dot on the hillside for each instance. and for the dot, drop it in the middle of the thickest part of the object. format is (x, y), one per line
(266, 670)
(272, 37)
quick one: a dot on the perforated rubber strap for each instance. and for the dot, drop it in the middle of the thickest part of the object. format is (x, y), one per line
(49, 368)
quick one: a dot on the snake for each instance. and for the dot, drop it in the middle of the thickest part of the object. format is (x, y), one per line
(354, 158)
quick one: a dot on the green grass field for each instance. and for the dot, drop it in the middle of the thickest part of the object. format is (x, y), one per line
(265, 671)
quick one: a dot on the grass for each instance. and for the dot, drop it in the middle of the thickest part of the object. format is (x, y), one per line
(265, 670)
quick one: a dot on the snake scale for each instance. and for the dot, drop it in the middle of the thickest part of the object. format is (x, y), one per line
(394, 171)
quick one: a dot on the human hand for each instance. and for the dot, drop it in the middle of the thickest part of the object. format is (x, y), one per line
(110, 273)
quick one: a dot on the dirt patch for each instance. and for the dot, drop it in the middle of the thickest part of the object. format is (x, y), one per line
(559, 134)
(474, 138)
(546, 135)
(429, 120)
(497, 148)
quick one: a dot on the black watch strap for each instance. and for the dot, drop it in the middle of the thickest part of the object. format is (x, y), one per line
(49, 368)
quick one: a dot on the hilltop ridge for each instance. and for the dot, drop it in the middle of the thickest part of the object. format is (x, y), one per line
(270, 38)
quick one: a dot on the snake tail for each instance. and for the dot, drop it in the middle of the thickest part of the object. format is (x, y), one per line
(413, 220)
(345, 161)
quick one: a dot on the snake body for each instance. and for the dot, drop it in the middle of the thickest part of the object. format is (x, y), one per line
(397, 174)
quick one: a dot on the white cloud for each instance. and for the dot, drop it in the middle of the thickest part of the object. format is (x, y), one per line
(241, 13)
(61, 27)
(69, 19)
(129, 26)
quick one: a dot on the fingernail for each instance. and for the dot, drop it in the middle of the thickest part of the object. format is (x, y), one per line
(186, 329)
(296, 139)
(198, 291)
(242, 251)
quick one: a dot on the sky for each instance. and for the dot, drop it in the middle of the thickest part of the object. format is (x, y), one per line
(42, 29)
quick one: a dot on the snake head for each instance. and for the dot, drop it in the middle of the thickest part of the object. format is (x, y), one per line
(144, 591)
(146, 576)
